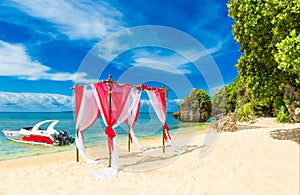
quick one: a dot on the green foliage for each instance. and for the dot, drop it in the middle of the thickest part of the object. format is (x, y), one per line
(203, 98)
(229, 98)
(232, 91)
(268, 34)
(197, 99)
(245, 112)
(283, 115)
(219, 102)
(287, 50)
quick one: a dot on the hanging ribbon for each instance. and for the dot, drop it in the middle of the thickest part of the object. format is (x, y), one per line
(112, 98)
(130, 137)
(166, 132)
(109, 131)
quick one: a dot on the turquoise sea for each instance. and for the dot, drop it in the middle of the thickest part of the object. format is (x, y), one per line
(147, 125)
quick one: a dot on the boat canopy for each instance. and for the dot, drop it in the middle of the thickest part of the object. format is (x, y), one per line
(50, 128)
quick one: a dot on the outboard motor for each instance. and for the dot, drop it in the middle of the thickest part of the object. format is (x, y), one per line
(63, 138)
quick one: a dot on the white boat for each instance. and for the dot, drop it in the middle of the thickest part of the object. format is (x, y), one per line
(36, 135)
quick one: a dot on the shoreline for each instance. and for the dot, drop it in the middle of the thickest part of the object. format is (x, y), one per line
(122, 139)
(248, 161)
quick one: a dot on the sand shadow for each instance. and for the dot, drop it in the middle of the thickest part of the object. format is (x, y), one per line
(286, 134)
(154, 158)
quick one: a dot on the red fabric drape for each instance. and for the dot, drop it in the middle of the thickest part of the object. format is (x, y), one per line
(78, 99)
(160, 95)
(166, 132)
(112, 105)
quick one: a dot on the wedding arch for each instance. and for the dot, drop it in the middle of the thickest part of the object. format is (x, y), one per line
(116, 103)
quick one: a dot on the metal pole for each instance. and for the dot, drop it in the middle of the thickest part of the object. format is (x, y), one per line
(128, 138)
(163, 139)
(166, 96)
(77, 152)
(109, 113)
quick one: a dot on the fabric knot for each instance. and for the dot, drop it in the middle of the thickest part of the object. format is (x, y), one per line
(166, 132)
(109, 131)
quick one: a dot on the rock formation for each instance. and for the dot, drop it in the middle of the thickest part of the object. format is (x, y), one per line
(195, 108)
(227, 123)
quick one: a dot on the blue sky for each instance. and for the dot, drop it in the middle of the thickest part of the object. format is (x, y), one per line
(45, 46)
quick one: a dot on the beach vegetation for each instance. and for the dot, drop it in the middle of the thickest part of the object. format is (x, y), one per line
(245, 113)
(268, 32)
(219, 102)
(203, 98)
(229, 98)
(283, 115)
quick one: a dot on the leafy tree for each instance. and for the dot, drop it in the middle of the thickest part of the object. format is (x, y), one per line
(287, 50)
(230, 98)
(268, 34)
(203, 97)
(219, 102)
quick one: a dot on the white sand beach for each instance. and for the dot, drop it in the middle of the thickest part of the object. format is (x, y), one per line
(248, 161)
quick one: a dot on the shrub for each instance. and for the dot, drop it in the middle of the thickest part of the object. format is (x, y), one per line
(283, 116)
(245, 112)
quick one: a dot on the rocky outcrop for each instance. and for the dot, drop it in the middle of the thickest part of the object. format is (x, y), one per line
(293, 95)
(294, 113)
(195, 108)
(176, 115)
(226, 123)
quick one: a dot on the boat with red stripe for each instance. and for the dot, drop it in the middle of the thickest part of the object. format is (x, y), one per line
(37, 135)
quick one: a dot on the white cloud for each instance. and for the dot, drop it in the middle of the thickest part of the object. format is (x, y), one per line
(76, 19)
(175, 101)
(194, 55)
(158, 66)
(34, 102)
(14, 61)
(112, 46)
(171, 63)
(137, 40)
(41, 102)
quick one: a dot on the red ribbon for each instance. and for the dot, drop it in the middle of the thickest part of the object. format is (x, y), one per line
(130, 137)
(166, 132)
(109, 131)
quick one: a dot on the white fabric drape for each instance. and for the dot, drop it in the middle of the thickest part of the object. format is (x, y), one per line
(129, 112)
(82, 151)
(161, 114)
(136, 141)
(133, 109)
(88, 113)
(157, 106)
(114, 155)
(110, 172)
(131, 118)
